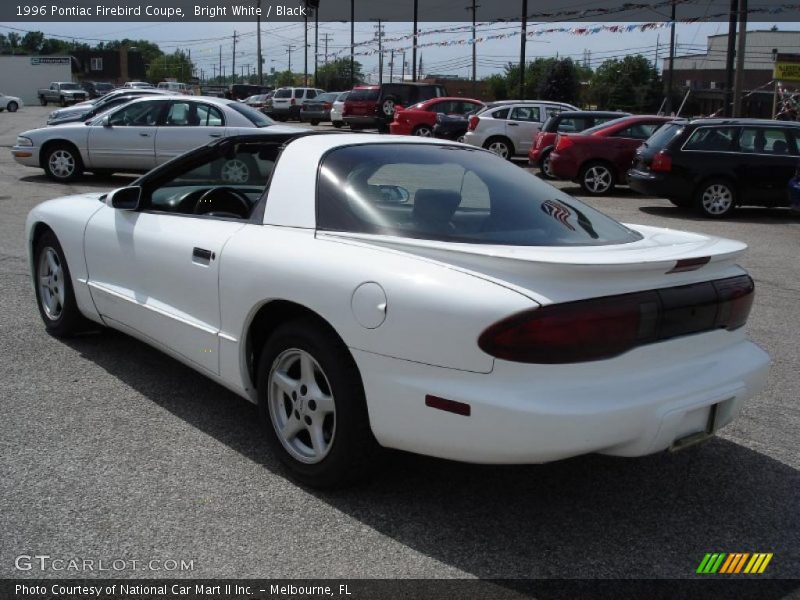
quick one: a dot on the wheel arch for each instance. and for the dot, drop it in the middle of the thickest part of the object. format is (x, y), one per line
(264, 321)
(504, 138)
(58, 142)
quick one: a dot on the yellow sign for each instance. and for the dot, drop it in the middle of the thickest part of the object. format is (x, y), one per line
(787, 71)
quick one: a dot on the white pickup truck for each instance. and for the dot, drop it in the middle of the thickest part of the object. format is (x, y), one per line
(63, 92)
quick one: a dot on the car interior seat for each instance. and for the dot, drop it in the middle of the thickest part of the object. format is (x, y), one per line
(434, 209)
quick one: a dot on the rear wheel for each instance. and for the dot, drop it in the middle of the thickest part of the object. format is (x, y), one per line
(423, 131)
(63, 101)
(500, 146)
(54, 294)
(62, 163)
(42, 100)
(337, 124)
(546, 169)
(388, 107)
(597, 178)
(715, 198)
(311, 400)
(12, 106)
(315, 121)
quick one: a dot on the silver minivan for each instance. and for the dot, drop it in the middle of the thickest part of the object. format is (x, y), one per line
(507, 128)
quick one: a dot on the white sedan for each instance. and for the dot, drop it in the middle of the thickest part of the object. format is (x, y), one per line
(371, 292)
(137, 136)
(9, 103)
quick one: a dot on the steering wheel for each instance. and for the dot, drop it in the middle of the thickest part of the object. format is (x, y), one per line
(223, 201)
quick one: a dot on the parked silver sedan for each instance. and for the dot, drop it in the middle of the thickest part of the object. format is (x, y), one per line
(137, 136)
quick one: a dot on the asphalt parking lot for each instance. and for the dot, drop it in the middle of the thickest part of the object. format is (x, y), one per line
(112, 450)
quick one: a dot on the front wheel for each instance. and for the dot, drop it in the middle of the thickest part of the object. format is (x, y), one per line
(62, 163)
(597, 179)
(12, 106)
(311, 401)
(715, 198)
(315, 122)
(54, 294)
(501, 147)
(63, 101)
(42, 100)
(337, 124)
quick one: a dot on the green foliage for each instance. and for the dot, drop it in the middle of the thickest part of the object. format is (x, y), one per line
(498, 90)
(631, 84)
(176, 65)
(560, 82)
(336, 74)
(32, 41)
(284, 78)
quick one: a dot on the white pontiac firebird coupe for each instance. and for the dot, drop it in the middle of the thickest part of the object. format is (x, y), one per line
(409, 293)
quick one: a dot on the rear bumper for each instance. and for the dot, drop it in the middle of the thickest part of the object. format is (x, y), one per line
(314, 115)
(664, 185)
(474, 139)
(399, 128)
(288, 111)
(361, 121)
(632, 405)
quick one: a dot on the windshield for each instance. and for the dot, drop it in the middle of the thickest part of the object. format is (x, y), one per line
(285, 93)
(362, 95)
(453, 194)
(664, 135)
(256, 117)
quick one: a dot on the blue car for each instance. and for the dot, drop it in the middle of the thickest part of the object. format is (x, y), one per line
(794, 191)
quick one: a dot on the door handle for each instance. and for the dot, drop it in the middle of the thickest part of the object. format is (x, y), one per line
(143, 134)
(202, 255)
(214, 135)
(514, 124)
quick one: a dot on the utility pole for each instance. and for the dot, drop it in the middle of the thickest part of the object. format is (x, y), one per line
(379, 35)
(352, 43)
(728, 95)
(233, 66)
(474, 8)
(522, 40)
(414, 47)
(391, 66)
(668, 108)
(741, 51)
(326, 38)
(305, 50)
(316, 44)
(403, 77)
(289, 47)
(220, 64)
(258, 46)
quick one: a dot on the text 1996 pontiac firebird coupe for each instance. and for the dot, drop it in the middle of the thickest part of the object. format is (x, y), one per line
(370, 291)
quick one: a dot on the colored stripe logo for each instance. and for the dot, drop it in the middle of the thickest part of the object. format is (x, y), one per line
(734, 563)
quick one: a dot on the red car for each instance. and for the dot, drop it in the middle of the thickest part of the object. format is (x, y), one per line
(420, 118)
(600, 157)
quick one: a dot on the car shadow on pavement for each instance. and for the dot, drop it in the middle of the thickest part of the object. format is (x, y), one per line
(747, 214)
(588, 517)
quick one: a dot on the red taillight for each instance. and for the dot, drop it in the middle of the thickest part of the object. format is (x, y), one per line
(327, 105)
(345, 110)
(602, 328)
(563, 142)
(473, 122)
(661, 162)
(293, 102)
(539, 139)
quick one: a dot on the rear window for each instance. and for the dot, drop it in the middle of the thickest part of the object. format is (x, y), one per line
(664, 135)
(452, 194)
(328, 97)
(501, 113)
(286, 93)
(363, 95)
(602, 126)
(256, 117)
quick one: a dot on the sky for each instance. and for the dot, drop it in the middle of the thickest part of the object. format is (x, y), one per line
(204, 41)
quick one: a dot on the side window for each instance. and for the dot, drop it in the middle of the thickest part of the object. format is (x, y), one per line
(298, 93)
(141, 114)
(711, 139)
(552, 110)
(639, 131)
(525, 113)
(572, 124)
(209, 116)
(311, 94)
(178, 114)
(501, 113)
(445, 108)
(760, 140)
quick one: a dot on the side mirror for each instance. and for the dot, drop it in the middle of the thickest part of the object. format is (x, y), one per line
(127, 198)
(106, 121)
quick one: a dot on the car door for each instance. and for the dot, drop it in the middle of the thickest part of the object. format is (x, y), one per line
(127, 138)
(523, 122)
(767, 158)
(155, 271)
(187, 125)
(623, 143)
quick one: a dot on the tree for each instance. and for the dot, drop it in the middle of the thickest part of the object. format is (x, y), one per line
(284, 78)
(629, 84)
(496, 84)
(13, 41)
(335, 75)
(176, 65)
(560, 82)
(32, 41)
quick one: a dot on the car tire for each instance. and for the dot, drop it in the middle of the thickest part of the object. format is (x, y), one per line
(42, 100)
(321, 431)
(63, 101)
(388, 106)
(545, 170)
(597, 178)
(55, 296)
(62, 163)
(337, 124)
(422, 131)
(12, 107)
(500, 146)
(315, 122)
(715, 198)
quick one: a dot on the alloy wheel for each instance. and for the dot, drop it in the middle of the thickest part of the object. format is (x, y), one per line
(499, 148)
(547, 168)
(388, 107)
(301, 406)
(62, 164)
(717, 199)
(597, 179)
(235, 171)
(51, 284)
(423, 132)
